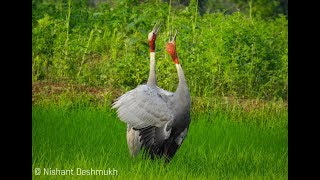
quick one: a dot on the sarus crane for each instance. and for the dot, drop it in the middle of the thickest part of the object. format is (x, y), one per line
(157, 120)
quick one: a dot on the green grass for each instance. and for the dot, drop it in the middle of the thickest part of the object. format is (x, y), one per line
(218, 145)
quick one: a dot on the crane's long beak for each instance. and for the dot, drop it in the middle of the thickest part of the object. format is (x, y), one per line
(172, 39)
(175, 35)
(156, 28)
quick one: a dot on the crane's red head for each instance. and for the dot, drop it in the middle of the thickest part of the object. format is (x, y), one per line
(171, 48)
(152, 38)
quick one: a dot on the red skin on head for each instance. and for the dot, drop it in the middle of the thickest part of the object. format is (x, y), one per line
(171, 49)
(152, 43)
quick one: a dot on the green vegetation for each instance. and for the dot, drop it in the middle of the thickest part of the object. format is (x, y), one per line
(234, 55)
(235, 62)
(218, 146)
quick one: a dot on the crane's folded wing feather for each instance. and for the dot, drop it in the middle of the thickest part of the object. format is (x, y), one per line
(143, 106)
(165, 93)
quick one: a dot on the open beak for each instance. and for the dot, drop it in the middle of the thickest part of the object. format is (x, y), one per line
(172, 39)
(156, 28)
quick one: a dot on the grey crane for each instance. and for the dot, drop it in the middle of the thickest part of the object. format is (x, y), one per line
(133, 138)
(158, 120)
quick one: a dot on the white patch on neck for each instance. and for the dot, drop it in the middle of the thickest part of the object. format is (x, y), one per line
(152, 55)
(178, 66)
(150, 36)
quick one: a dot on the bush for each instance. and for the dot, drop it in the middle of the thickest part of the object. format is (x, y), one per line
(222, 55)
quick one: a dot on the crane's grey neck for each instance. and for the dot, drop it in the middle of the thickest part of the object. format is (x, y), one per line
(182, 80)
(152, 81)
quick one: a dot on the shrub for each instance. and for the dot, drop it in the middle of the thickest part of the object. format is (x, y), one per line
(222, 54)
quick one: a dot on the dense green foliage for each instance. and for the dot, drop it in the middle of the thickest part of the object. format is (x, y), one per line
(265, 8)
(218, 146)
(222, 54)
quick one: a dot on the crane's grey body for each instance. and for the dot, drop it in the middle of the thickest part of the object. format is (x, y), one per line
(162, 118)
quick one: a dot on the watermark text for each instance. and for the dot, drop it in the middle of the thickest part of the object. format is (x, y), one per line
(75, 171)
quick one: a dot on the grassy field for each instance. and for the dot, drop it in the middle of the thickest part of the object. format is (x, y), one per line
(218, 146)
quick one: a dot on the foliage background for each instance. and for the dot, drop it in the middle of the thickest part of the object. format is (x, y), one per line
(229, 48)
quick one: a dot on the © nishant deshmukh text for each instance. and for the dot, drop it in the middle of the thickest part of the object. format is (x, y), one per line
(79, 171)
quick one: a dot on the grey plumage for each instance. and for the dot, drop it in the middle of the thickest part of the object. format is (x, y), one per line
(133, 141)
(142, 107)
(158, 120)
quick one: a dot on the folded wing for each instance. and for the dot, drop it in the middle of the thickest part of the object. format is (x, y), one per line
(142, 107)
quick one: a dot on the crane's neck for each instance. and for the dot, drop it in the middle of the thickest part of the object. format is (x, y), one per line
(152, 81)
(182, 87)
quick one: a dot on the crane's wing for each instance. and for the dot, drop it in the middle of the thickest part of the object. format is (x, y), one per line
(164, 92)
(142, 107)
